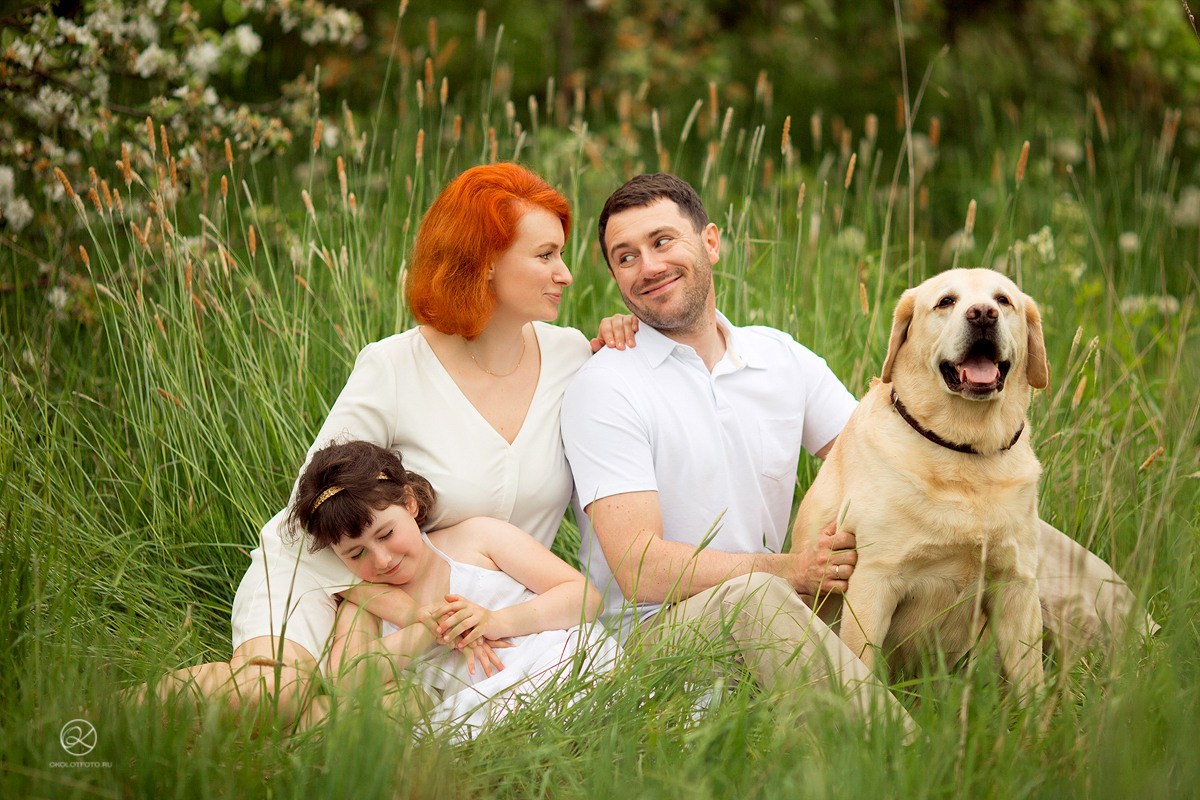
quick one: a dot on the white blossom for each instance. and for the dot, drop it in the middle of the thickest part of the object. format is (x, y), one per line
(1186, 213)
(248, 42)
(1137, 304)
(17, 212)
(1129, 242)
(1043, 242)
(153, 60)
(203, 58)
(7, 181)
(58, 297)
(1068, 151)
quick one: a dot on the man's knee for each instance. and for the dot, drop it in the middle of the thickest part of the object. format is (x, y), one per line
(759, 589)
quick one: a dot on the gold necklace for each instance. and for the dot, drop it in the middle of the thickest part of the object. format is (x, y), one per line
(499, 374)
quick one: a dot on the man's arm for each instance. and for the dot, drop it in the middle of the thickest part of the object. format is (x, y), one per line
(649, 568)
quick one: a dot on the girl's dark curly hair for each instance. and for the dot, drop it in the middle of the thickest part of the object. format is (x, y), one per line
(370, 478)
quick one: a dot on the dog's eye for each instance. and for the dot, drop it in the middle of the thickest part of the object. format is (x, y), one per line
(946, 301)
(1003, 300)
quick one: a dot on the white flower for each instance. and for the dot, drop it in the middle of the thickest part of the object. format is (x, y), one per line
(203, 58)
(1043, 242)
(7, 181)
(1186, 213)
(58, 298)
(852, 240)
(247, 41)
(155, 7)
(152, 60)
(1136, 304)
(18, 212)
(1128, 242)
(331, 136)
(210, 96)
(1068, 151)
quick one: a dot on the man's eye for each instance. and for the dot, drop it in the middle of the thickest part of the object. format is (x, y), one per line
(356, 556)
(625, 258)
(386, 535)
(662, 240)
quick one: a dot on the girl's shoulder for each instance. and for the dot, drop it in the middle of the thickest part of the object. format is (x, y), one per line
(471, 540)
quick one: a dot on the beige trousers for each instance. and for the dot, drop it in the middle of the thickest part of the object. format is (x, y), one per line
(779, 639)
(1084, 602)
(786, 645)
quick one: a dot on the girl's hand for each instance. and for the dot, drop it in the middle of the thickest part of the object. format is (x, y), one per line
(462, 623)
(617, 332)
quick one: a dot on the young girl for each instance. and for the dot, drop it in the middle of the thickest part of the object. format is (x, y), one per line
(480, 580)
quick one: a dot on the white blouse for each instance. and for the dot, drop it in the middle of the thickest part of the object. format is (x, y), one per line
(400, 396)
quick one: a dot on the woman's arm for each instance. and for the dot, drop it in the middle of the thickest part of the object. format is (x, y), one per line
(564, 597)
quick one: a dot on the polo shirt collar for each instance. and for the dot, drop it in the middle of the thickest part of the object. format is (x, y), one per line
(739, 348)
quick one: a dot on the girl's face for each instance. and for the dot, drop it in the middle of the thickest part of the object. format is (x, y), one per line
(529, 277)
(389, 549)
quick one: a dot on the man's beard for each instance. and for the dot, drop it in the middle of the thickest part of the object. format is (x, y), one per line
(689, 316)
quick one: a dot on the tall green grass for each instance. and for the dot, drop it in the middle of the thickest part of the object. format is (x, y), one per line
(151, 425)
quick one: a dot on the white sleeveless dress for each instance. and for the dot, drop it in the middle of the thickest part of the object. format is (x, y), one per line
(470, 702)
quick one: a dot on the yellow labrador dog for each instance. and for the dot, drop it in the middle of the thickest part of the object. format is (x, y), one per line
(935, 476)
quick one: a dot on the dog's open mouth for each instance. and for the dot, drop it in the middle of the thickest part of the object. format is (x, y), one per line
(979, 373)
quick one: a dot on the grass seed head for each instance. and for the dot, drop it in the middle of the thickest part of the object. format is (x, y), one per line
(150, 136)
(1022, 161)
(66, 184)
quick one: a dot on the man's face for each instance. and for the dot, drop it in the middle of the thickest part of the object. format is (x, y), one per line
(663, 265)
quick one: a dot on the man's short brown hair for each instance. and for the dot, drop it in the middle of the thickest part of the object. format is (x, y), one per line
(642, 190)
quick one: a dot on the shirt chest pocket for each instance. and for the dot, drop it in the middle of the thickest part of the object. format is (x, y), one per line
(779, 440)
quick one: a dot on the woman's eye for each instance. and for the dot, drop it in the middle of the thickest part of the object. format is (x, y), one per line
(946, 302)
(385, 536)
(356, 556)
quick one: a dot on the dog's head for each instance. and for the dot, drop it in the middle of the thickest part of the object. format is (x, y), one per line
(974, 329)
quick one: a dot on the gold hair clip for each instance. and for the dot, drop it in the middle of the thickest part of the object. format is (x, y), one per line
(332, 490)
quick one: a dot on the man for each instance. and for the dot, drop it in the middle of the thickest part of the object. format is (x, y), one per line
(685, 450)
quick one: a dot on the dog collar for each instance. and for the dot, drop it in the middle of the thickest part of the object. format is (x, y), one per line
(933, 437)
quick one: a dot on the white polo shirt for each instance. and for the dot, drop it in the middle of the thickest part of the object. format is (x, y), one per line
(721, 449)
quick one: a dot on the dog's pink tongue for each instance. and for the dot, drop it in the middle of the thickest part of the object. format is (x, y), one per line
(978, 369)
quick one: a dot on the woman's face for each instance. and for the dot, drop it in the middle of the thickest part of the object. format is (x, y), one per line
(389, 549)
(529, 277)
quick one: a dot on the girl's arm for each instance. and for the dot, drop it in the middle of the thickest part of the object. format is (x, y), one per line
(564, 597)
(384, 601)
(359, 648)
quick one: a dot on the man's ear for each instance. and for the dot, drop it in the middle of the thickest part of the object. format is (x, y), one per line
(1037, 368)
(711, 236)
(900, 323)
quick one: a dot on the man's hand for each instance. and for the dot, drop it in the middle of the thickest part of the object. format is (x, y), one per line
(824, 566)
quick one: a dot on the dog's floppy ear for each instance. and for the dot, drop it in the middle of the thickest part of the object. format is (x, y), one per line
(1037, 368)
(900, 323)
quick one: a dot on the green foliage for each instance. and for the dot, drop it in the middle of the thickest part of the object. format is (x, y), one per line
(167, 358)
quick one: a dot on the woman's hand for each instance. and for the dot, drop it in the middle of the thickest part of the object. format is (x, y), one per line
(461, 623)
(617, 332)
(483, 653)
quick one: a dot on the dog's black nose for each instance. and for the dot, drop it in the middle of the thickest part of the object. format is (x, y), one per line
(983, 315)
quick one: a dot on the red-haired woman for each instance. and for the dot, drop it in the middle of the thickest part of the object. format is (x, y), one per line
(471, 397)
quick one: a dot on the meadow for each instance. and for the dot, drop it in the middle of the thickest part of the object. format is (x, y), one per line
(157, 402)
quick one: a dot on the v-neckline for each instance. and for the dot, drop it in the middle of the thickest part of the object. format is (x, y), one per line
(448, 378)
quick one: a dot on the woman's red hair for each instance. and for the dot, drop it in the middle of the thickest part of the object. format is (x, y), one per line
(472, 221)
